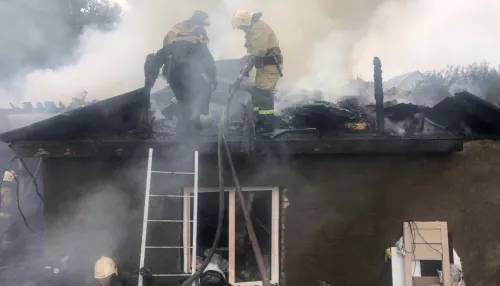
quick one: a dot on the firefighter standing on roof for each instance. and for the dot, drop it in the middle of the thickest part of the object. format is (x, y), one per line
(188, 67)
(264, 54)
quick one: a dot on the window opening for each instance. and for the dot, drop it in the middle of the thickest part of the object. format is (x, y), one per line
(236, 257)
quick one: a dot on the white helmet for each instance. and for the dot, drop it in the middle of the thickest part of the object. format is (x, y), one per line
(104, 267)
(241, 18)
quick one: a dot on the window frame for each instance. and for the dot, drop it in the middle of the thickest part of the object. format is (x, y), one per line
(275, 230)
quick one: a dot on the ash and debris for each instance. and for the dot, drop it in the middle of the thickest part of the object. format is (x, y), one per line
(346, 116)
(405, 115)
(324, 116)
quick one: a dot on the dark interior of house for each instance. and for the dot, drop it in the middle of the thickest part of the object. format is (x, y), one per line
(245, 265)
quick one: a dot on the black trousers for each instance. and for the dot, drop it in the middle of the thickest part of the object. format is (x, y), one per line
(263, 108)
(193, 92)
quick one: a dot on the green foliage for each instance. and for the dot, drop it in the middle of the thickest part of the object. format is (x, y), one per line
(482, 79)
(43, 33)
(97, 13)
(477, 73)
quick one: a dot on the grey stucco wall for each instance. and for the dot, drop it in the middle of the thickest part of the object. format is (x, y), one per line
(344, 210)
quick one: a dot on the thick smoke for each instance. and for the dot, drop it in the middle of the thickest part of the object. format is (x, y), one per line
(25, 44)
(92, 226)
(325, 43)
(426, 34)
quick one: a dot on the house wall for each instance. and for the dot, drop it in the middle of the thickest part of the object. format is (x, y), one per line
(344, 210)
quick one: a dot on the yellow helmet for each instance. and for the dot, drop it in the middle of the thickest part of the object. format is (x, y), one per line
(8, 176)
(241, 18)
(104, 267)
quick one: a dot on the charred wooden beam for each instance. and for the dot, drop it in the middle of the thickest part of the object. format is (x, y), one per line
(366, 144)
(379, 94)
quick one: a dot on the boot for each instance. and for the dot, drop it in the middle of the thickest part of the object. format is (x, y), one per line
(265, 123)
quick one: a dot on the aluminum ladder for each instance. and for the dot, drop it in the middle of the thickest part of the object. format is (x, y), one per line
(146, 220)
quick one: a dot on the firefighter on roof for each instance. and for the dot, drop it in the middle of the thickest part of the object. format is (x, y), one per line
(188, 67)
(264, 54)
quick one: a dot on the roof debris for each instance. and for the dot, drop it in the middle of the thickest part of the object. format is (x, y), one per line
(129, 117)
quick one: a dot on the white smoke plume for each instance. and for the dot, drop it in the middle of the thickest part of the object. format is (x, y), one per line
(325, 43)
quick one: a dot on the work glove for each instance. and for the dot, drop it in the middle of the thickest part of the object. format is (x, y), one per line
(248, 66)
(246, 62)
(245, 58)
(245, 72)
(149, 82)
(215, 83)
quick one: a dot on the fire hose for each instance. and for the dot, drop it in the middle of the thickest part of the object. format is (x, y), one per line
(253, 238)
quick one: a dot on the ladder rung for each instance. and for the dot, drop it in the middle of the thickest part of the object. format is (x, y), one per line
(170, 275)
(168, 247)
(173, 173)
(169, 220)
(172, 196)
(187, 249)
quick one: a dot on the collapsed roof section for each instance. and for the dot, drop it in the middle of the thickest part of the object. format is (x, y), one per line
(468, 115)
(116, 127)
(121, 125)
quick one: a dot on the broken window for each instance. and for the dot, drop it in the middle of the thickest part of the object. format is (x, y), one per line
(235, 250)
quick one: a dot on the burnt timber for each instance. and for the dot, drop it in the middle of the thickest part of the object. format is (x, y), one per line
(121, 126)
(118, 127)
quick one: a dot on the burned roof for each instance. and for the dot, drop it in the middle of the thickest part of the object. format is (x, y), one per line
(467, 114)
(123, 112)
(121, 125)
(114, 127)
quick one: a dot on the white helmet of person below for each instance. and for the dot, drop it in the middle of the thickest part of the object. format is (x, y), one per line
(104, 268)
(241, 19)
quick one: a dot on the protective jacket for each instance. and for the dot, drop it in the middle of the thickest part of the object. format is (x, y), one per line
(262, 43)
(186, 44)
(184, 49)
(262, 47)
(188, 66)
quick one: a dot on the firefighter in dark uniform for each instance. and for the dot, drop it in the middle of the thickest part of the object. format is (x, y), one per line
(188, 67)
(264, 54)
